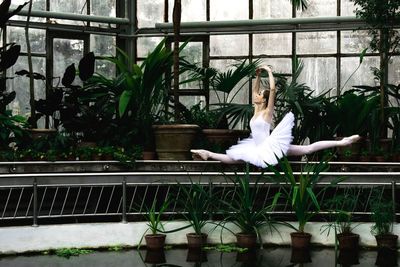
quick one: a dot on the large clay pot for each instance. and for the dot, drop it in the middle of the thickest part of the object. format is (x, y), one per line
(39, 133)
(196, 241)
(155, 241)
(348, 241)
(173, 142)
(300, 240)
(387, 241)
(224, 138)
(246, 240)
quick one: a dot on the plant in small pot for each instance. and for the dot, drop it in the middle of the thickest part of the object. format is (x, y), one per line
(299, 191)
(156, 239)
(197, 202)
(383, 218)
(340, 207)
(243, 210)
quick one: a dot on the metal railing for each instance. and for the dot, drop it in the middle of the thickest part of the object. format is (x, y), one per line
(126, 195)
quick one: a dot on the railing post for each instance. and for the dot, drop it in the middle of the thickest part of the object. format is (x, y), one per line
(35, 204)
(394, 200)
(124, 200)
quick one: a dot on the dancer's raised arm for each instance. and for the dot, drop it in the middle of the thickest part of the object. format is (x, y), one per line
(271, 98)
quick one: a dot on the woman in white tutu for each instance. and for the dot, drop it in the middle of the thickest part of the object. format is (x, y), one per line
(263, 148)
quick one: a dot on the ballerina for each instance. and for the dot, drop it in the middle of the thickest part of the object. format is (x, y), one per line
(262, 148)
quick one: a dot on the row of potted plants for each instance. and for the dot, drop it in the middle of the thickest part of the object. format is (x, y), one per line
(241, 208)
(121, 110)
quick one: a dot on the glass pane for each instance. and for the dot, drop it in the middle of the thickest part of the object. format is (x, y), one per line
(102, 8)
(102, 45)
(72, 6)
(192, 100)
(362, 76)
(191, 10)
(150, 12)
(65, 52)
(193, 52)
(319, 74)
(264, 9)
(319, 8)
(355, 41)
(229, 10)
(394, 70)
(272, 44)
(36, 5)
(347, 8)
(37, 38)
(279, 65)
(242, 88)
(20, 84)
(316, 42)
(229, 45)
(105, 68)
(146, 45)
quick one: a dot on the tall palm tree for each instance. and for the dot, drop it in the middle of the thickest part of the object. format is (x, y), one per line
(177, 26)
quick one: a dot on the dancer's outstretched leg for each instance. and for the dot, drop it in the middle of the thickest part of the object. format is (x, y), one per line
(300, 150)
(205, 154)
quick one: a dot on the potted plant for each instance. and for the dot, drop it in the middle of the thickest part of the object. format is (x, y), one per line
(155, 240)
(383, 218)
(299, 191)
(11, 126)
(197, 203)
(340, 207)
(220, 120)
(242, 209)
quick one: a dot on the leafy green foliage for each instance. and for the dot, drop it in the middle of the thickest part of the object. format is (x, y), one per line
(357, 108)
(310, 111)
(299, 191)
(69, 252)
(240, 207)
(226, 248)
(153, 216)
(197, 202)
(226, 85)
(382, 214)
(340, 207)
(380, 14)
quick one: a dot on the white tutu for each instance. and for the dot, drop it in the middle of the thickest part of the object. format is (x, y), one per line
(263, 148)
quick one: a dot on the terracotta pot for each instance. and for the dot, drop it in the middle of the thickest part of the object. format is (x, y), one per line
(196, 240)
(300, 240)
(246, 240)
(348, 257)
(299, 256)
(39, 133)
(196, 255)
(173, 142)
(348, 241)
(224, 138)
(155, 241)
(387, 241)
(149, 155)
(155, 256)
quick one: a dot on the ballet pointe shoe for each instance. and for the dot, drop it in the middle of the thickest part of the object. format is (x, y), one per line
(199, 154)
(350, 140)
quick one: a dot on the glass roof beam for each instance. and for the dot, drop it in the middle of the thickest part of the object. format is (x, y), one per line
(72, 16)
